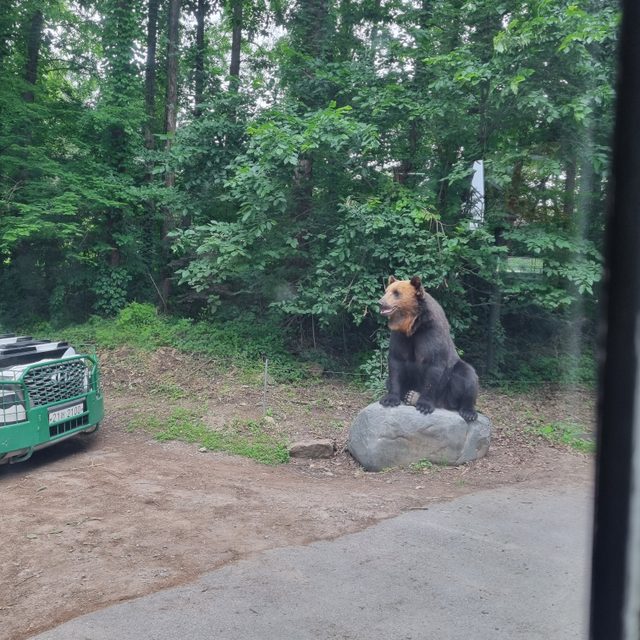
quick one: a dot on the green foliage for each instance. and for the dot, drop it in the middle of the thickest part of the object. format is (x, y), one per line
(110, 289)
(541, 364)
(374, 370)
(396, 235)
(254, 254)
(569, 263)
(243, 438)
(345, 156)
(138, 316)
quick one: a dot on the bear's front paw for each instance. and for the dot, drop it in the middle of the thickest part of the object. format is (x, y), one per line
(425, 406)
(468, 415)
(390, 400)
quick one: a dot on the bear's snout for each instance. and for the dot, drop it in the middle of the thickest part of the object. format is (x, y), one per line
(385, 308)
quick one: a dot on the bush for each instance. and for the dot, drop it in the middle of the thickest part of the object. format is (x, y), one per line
(137, 315)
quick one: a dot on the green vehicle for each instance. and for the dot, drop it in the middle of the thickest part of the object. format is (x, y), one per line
(48, 393)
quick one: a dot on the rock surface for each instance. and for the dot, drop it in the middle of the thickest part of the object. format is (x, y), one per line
(312, 449)
(383, 437)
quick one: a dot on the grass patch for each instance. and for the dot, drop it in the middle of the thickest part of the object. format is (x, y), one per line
(168, 390)
(567, 433)
(243, 438)
(422, 466)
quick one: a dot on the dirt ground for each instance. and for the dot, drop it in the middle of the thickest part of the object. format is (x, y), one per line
(104, 518)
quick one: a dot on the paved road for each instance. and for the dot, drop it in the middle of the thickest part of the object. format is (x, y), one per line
(505, 564)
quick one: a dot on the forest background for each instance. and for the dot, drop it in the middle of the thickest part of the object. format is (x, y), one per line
(254, 171)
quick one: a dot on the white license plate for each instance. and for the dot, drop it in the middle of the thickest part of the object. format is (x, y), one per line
(66, 412)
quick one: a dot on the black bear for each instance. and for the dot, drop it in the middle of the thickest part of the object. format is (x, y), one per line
(422, 356)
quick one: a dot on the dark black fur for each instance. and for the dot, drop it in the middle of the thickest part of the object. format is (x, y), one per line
(427, 362)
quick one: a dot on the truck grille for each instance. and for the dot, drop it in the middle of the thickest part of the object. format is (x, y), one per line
(57, 382)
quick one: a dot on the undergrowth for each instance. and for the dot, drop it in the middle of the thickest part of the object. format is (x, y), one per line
(244, 342)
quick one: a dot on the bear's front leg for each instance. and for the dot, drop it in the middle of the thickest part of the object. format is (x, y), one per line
(390, 400)
(394, 384)
(427, 401)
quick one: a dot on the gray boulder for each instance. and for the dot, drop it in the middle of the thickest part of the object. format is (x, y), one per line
(382, 437)
(312, 449)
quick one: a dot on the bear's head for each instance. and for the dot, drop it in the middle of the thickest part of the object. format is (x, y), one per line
(401, 304)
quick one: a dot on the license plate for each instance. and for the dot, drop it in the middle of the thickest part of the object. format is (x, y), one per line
(58, 415)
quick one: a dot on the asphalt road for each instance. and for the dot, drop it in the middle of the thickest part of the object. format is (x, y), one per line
(509, 564)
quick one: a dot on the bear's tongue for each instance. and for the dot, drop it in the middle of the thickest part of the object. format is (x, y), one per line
(387, 311)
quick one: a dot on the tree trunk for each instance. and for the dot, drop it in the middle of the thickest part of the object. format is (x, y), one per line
(170, 130)
(312, 36)
(201, 13)
(513, 203)
(150, 73)
(303, 186)
(236, 42)
(404, 174)
(313, 28)
(445, 162)
(494, 320)
(375, 38)
(171, 110)
(495, 313)
(569, 200)
(34, 40)
(149, 229)
(408, 164)
(345, 33)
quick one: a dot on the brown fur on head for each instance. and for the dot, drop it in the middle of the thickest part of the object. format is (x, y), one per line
(401, 303)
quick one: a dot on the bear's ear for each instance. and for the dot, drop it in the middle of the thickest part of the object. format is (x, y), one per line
(417, 285)
(392, 279)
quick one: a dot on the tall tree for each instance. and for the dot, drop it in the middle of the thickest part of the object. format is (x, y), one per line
(121, 100)
(171, 103)
(202, 9)
(311, 36)
(150, 72)
(171, 113)
(34, 41)
(417, 86)
(236, 43)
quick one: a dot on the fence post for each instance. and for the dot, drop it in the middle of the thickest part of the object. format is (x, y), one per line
(264, 391)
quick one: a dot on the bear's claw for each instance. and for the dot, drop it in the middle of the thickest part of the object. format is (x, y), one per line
(468, 416)
(425, 406)
(411, 398)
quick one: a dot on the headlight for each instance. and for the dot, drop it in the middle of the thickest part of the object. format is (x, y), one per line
(12, 404)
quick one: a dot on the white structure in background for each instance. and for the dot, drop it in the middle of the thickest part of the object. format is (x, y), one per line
(477, 195)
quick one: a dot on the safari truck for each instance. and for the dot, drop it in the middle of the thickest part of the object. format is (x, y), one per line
(48, 393)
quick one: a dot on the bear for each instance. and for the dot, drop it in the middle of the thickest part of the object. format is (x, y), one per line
(422, 356)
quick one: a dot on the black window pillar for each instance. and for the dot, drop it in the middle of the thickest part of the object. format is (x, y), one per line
(615, 588)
